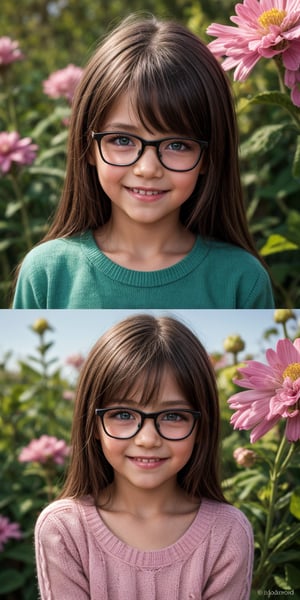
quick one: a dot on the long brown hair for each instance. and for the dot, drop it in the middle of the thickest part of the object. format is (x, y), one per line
(137, 351)
(176, 84)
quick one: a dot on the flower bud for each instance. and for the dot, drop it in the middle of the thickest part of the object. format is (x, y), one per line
(282, 315)
(244, 457)
(40, 326)
(234, 344)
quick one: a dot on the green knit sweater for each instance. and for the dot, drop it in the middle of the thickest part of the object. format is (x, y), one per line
(73, 273)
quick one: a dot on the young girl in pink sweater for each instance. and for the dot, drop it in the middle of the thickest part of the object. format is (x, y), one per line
(142, 515)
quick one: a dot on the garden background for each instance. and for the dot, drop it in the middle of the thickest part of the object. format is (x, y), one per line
(41, 353)
(53, 35)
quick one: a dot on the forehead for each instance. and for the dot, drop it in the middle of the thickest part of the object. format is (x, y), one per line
(166, 392)
(124, 115)
(158, 388)
(136, 112)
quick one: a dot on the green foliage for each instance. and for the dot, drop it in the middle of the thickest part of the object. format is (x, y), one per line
(32, 404)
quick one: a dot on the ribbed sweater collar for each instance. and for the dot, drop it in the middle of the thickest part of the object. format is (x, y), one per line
(142, 278)
(194, 536)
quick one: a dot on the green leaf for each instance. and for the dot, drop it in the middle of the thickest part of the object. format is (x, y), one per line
(275, 98)
(262, 140)
(12, 208)
(21, 552)
(284, 557)
(10, 580)
(295, 503)
(296, 161)
(6, 244)
(58, 114)
(47, 171)
(293, 576)
(277, 243)
(292, 229)
(30, 392)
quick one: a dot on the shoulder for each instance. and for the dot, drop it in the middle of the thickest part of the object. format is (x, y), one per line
(60, 516)
(228, 521)
(244, 275)
(54, 249)
(226, 256)
(227, 250)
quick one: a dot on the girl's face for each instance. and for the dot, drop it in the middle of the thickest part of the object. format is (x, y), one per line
(147, 461)
(145, 192)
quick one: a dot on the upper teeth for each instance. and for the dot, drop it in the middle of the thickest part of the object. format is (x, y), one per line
(147, 460)
(145, 192)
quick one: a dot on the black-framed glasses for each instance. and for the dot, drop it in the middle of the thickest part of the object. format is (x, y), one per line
(121, 149)
(123, 423)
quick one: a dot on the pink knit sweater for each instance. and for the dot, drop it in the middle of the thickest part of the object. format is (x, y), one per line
(79, 558)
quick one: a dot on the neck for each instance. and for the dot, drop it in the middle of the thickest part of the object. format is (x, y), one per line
(146, 503)
(166, 242)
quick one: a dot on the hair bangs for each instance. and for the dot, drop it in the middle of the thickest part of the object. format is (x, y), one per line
(161, 100)
(138, 383)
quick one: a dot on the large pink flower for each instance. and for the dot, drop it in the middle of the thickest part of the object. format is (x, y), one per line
(15, 149)
(44, 449)
(9, 51)
(8, 530)
(63, 83)
(273, 392)
(265, 28)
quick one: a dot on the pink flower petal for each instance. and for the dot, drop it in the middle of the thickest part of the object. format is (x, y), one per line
(262, 428)
(255, 35)
(293, 429)
(270, 395)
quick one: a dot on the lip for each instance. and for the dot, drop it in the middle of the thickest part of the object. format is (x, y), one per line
(147, 462)
(146, 194)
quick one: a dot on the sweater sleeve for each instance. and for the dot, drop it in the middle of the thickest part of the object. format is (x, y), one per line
(231, 574)
(261, 294)
(59, 563)
(31, 283)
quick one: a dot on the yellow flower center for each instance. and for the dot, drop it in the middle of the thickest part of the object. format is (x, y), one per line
(271, 17)
(292, 371)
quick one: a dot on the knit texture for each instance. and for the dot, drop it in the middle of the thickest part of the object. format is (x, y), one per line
(74, 273)
(79, 558)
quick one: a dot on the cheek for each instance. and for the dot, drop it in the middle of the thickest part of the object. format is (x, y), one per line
(109, 175)
(185, 452)
(112, 449)
(187, 182)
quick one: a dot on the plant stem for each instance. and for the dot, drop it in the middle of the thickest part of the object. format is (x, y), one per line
(24, 214)
(285, 331)
(280, 463)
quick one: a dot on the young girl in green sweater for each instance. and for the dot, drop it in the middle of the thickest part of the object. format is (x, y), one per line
(151, 214)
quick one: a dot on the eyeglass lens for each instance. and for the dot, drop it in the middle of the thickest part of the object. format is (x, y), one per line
(125, 423)
(174, 153)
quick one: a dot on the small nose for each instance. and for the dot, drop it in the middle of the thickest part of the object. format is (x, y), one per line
(148, 165)
(148, 436)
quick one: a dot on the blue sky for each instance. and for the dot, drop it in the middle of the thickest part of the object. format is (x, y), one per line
(75, 331)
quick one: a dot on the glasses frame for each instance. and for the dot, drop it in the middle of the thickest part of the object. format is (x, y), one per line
(155, 143)
(100, 412)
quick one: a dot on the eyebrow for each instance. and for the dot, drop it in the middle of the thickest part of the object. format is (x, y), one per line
(176, 403)
(121, 127)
